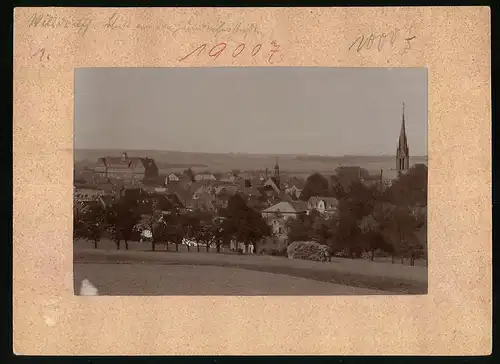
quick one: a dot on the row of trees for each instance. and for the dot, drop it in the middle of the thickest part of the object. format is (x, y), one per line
(410, 188)
(121, 221)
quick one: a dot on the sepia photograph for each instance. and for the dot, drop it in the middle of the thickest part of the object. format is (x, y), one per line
(250, 181)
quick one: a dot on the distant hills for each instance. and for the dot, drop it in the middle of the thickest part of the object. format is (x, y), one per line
(171, 161)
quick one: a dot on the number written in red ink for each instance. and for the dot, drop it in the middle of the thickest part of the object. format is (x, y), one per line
(271, 51)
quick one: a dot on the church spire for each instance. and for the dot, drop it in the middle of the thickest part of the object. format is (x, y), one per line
(403, 143)
(402, 153)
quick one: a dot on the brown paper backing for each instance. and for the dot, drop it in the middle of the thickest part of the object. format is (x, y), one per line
(454, 318)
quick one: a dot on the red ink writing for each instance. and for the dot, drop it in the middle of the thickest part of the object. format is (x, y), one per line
(218, 53)
(219, 49)
(199, 49)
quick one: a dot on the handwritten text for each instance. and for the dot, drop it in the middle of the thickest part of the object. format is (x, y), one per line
(380, 41)
(271, 51)
(53, 21)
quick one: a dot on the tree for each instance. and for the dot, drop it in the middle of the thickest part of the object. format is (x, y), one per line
(410, 188)
(372, 236)
(219, 234)
(243, 223)
(189, 173)
(401, 228)
(348, 234)
(175, 229)
(346, 175)
(316, 185)
(91, 223)
(337, 189)
(155, 224)
(361, 199)
(113, 223)
(300, 228)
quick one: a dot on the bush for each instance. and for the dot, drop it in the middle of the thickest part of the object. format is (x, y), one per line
(308, 250)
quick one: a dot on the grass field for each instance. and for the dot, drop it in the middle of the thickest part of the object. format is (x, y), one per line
(380, 277)
(152, 279)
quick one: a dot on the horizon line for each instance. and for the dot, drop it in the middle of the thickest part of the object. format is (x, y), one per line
(247, 153)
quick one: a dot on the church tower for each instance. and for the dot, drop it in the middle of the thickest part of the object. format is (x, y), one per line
(277, 174)
(402, 153)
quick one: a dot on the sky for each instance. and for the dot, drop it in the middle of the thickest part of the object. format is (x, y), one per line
(268, 110)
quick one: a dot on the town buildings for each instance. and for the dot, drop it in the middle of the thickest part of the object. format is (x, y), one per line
(276, 195)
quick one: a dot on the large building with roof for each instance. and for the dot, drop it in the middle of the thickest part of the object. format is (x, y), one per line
(126, 168)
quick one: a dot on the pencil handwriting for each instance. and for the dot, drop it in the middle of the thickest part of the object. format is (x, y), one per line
(384, 40)
(40, 20)
(41, 54)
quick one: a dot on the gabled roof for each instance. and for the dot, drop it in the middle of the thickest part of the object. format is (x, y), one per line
(226, 190)
(299, 205)
(202, 176)
(286, 207)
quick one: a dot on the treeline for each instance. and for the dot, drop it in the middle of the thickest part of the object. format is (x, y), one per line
(120, 221)
(369, 219)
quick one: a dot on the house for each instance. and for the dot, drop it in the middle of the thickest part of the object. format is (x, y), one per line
(328, 205)
(205, 177)
(293, 191)
(183, 192)
(172, 177)
(277, 217)
(272, 182)
(159, 190)
(230, 178)
(204, 203)
(203, 190)
(267, 192)
(164, 202)
(126, 168)
(285, 209)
